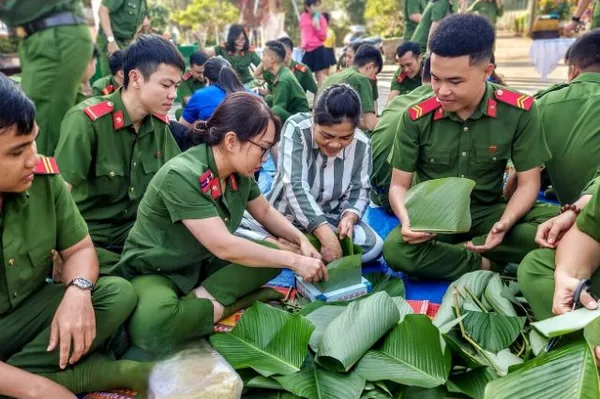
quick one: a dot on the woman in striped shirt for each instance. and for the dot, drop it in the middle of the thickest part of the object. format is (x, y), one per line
(322, 182)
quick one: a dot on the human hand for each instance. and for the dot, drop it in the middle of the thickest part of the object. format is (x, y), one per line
(346, 225)
(564, 290)
(570, 27)
(112, 48)
(307, 249)
(331, 250)
(43, 388)
(414, 237)
(310, 269)
(552, 231)
(494, 238)
(74, 321)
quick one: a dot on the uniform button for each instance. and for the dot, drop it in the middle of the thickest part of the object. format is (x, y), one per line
(11, 262)
(109, 104)
(499, 92)
(466, 129)
(493, 158)
(464, 154)
(131, 189)
(111, 173)
(158, 269)
(462, 175)
(15, 294)
(135, 164)
(432, 160)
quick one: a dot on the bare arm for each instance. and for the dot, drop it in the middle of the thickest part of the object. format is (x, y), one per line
(415, 18)
(582, 5)
(184, 122)
(369, 121)
(393, 93)
(258, 72)
(273, 221)
(18, 383)
(525, 195)
(104, 17)
(80, 261)
(577, 254)
(400, 184)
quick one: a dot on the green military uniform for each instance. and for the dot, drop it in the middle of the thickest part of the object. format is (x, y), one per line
(596, 15)
(110, 166)
(105, 86)
(412, 7)
(433, 144)
(359, 82)
(435, 11)
(402, 83)
(81, 96)
(382, 141)
(240, 62)
(53, 60)
(166, 262)
(572, 128)
(126, 16)
(303, 75)
(33, 226)
(289, 98)
(487, 9)
(536, 272)
(187, 88)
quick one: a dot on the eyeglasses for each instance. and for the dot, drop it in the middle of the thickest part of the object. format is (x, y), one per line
(263, 149)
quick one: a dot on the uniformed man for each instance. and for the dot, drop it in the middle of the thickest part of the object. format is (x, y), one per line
(119, 22)
(111, 83)
(491, 9)
(55, 49)
(368, 62)
(53, 329)
(192, 80)
(582, 6)
(289, 98)
(382, 139)
(85, 90)
(469, 128)
(413, 12)
(572, 128)
(238, 52)
(435, 11)
(110, 147)
(408, 75)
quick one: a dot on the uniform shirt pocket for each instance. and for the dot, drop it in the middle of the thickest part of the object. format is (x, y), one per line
(40, 258)
(110, 179)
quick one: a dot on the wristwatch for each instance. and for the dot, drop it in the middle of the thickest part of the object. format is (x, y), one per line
(82, 284)
(575, 19)
(111, 39)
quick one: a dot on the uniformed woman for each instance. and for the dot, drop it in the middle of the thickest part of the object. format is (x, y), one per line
(238, 52)
(188, 269)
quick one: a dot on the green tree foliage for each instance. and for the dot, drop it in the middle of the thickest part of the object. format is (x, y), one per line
(159, 15)
(356, 11)
(207, 17)
(383, 17)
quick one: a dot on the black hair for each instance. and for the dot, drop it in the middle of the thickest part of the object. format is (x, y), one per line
(277, 48)
(95, 52)
(287, 42)
(146, 53)
(426, 73)
(198, 58)
(368, 53)
(308, 3)
(406, 47)
(585, 52)
(234, 32)
(243, 113)
(356, 45)
(15, 108)
(338, 103)
(464, 34)
(327, 17)
(219, 72)
(115, 62)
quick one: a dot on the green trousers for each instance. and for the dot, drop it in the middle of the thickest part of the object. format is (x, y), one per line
(536, 280)
(166, 319)
(53, 62)
(102, 44)
(25, 334)
(446, 258)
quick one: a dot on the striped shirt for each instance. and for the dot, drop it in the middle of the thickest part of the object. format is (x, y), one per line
(309, 185)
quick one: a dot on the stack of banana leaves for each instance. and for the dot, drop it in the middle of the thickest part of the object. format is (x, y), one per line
(482, 343)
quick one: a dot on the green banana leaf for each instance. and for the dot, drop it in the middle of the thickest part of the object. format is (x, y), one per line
(347, 338)
(263, 383)
(538, 341)
(428, 393)
(493, 331)
(568, 372)
(440, 205)
(472, 383)
(269, 395)
(394, 286)
(566, 323)
(342, 272)
(266, 339)
(321, 318)
(413, 353)
(315, 382)
(494, 296)
(591, 333)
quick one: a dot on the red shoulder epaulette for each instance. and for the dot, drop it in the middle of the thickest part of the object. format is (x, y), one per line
(164, 118)
(515, 99)
(46, 166)
(424, 108)
(300, 67)
(108, 89)
(186, 76)
(401, 77)
(95, 111)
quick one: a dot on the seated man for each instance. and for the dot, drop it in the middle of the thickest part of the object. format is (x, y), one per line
(469, 128)
(289, 98)
(52, 329)
(322, 181)
(382, 139)
(408, 75)
(368, 62)
(193, 79)
(111, 147)
(109, 84)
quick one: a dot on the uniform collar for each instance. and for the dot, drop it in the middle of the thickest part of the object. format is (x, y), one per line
(279, 73)
(487, 106)
(121, 119)
(588, 77)
(212, 174)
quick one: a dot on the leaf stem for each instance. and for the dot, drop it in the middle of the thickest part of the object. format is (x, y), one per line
(476, 300)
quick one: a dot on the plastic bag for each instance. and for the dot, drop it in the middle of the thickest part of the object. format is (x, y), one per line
(198, 373)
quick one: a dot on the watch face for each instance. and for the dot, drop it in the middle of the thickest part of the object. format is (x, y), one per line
(83, 283)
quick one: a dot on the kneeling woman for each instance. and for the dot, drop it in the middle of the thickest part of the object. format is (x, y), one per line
(188, 269)
(322, 180)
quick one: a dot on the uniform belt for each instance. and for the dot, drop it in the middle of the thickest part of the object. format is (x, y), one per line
(51, 21)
